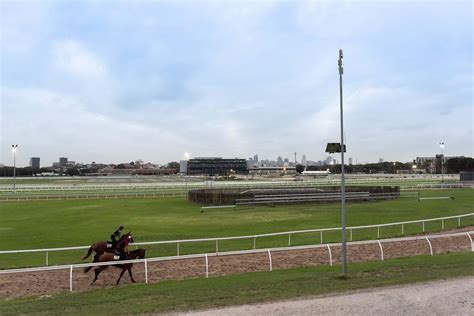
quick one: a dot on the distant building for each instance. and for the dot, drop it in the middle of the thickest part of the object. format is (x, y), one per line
(303, 160)
(350, 161)
(217, 166)
(63, 161)
(183, 166)
(279, 162)
(380, 160)
(255, 158)
(35, 162)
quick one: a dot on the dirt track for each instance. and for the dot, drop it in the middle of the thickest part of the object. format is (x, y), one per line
(47, 282)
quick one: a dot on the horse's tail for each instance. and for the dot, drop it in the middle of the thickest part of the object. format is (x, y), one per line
(88, 252)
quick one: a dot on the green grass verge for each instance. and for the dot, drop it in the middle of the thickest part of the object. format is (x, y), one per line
(47, 224)
(245, 288)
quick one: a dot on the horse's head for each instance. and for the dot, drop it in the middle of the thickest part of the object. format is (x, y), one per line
(128, 236)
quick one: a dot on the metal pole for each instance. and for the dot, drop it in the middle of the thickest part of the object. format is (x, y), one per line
(343, 189)
(14, 147)
(442, 161)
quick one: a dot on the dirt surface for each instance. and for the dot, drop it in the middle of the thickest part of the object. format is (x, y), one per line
(47, 282)
(452, 297)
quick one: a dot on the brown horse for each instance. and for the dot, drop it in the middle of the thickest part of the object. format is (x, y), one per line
(135, 254)
(103, 246)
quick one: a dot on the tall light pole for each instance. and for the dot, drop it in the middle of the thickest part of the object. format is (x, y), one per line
(441, 145)
(343, 184)
(14, 147)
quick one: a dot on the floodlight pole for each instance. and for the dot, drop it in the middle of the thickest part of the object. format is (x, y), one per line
(343, 184)
(14, 147)
(441, 145)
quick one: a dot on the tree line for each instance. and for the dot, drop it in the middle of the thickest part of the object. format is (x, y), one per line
(453, 165)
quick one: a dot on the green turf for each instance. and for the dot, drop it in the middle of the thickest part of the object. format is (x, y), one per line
(46, 224)
(169, 296)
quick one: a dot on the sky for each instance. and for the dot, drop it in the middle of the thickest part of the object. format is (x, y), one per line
(117, 81)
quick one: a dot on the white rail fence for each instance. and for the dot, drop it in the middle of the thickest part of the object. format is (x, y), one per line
(71, 267)
(216, 184)
(321, 231)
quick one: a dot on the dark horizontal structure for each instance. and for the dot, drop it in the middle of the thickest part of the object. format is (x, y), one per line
(217, 166)
(291, 195)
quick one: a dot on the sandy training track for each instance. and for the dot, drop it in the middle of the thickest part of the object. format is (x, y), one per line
(47, 282)
(452, 297)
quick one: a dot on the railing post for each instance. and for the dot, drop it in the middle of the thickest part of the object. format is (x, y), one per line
(217, 246)
(378, 231)
(254, 242)
(403, 232)
(146, 271)
(381, 250)
(47, 259)
(330, 255)
(177, 249)
(442, 224)
(470, 239)
(423, 226)
(270, 260)
(321, 236)
(351, 234)
(429, 243)
(207, 267)
(459, 221)
(289, 239)
(70, 278)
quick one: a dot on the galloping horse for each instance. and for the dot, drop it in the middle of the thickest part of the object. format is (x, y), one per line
(135, 254)
(102, 246)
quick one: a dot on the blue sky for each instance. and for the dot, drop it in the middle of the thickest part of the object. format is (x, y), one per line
(112, 82)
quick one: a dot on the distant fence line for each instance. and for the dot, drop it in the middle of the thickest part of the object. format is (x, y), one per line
(255, 237)
(206, 184)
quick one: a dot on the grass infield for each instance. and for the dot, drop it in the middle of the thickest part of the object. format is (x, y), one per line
(48, 224)
(169, 296)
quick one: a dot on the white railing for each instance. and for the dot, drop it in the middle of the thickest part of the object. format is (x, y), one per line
(70, 267)
(217, 184)
(254, 237)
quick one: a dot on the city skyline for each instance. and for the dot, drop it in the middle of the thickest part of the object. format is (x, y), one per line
(153, 80)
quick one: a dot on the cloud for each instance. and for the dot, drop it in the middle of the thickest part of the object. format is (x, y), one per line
(235, 79)
(72, 57)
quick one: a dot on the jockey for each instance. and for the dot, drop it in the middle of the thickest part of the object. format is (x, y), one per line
(122, 248)
(116, 235)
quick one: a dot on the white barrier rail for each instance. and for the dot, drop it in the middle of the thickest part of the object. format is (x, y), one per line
(206, 255)
(254, 237)
(216, 184)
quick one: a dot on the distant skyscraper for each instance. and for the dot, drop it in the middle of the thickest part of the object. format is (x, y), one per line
(35, 162)
(380, 160)
(63, 161)
(350, 161)
(279, 162)
(303, 160)
(255, 158)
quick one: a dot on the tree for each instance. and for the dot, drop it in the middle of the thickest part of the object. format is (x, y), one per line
(456, 165)
(72, 172)
(299, 168)
(173, 165)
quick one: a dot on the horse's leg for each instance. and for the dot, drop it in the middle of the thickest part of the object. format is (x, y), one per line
(129, 268)
(121, 274)
(98, 271)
